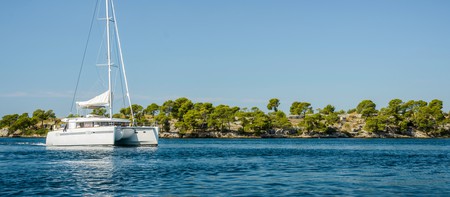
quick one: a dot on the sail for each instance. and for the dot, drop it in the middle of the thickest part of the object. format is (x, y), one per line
(101, 100)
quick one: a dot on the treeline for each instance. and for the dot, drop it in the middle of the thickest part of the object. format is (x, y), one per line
(398, 117)
(184, 116)
(38, 124)
(401, 117)
(187, 116)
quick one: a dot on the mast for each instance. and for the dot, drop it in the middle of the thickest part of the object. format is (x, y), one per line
(109, 57)
(121, 61)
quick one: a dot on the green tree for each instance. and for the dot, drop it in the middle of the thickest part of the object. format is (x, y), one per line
(23, 123)
(76, 115)
(273, 104)
(253, 121)
(366, 108)
(152, 109)
(371, 125)
(350, 111)
(279, 120)
(221, 118)
(329, 109)
(243, 117)
(8, 120)
(411, 108)
(375, 124)
(329, 118)
(50, 115)
(117, 115)
(423, 119)
(181, 106)
(167, 108)
(205, 110)
(429, 118)
(163, 120)
(312, 122)
(438, 118)
(340, 112)
(99, 111)
(396, 109)
(190, 121)
(436, 108)
(138, 113)
(259, 120)
(301, 108)
(197, 118)
(40, 115)
(392, 116)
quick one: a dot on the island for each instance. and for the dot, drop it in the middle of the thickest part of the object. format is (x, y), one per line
(182, 118)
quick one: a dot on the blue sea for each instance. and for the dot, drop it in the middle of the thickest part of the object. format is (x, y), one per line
(229, 167)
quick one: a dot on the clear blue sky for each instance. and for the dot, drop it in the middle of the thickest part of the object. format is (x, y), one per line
(234, 52)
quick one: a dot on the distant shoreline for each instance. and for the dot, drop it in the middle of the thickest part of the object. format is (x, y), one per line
(237, 135)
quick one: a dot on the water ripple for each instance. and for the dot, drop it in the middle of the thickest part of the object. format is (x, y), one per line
(229, 167)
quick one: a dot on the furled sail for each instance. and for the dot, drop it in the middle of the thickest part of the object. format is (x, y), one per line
(101, 100)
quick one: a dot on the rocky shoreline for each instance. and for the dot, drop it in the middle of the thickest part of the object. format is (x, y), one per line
(291, 134)
(356, 132)
(267, 134)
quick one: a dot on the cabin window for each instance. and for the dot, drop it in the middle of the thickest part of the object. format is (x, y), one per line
(88, 124)
(72, 125)
(121, 124)
(80, 125)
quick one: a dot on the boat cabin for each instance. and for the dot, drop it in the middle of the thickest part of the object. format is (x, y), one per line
(75, 123)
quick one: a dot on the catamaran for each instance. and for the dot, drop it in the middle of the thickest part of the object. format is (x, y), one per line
(100, 130)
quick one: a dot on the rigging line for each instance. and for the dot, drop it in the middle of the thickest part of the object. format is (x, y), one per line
(117, 59)
(121, 62)
(99, 76)
(84, 56)
(121, 77)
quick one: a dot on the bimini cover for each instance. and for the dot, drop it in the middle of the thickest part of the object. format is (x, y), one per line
(101, 100)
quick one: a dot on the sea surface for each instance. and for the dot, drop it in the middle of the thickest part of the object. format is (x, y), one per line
(229, 167)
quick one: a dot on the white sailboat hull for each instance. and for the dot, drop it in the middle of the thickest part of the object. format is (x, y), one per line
(111, 135)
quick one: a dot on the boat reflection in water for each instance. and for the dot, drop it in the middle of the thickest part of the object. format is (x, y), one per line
(101, 170)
